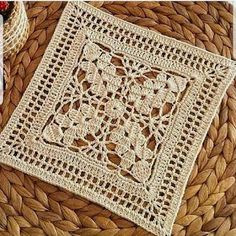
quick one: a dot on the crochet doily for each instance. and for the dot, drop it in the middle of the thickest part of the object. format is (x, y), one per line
(117, 114)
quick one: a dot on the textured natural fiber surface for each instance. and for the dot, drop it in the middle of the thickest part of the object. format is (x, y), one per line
(16, 30)
(208, 204)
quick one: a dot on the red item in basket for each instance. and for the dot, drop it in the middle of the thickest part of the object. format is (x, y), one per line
(4, 5)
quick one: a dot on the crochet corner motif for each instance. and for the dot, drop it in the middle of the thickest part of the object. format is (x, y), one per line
(116, 110)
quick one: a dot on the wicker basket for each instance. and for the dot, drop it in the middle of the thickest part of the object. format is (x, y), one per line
(16, 30)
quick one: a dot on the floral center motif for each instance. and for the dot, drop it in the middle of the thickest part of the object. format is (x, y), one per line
(116, 109)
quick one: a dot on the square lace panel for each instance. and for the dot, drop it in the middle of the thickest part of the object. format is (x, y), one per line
(117, 114)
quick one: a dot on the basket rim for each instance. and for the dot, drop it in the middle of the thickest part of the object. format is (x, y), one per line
(16, 30)
(15, 10)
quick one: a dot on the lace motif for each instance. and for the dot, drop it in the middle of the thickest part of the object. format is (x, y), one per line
(117, 114)
(117, 111)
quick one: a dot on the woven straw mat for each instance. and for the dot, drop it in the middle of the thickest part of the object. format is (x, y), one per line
(30, 207)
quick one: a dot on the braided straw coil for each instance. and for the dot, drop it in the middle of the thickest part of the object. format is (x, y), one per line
(29, 206)
(16, 30)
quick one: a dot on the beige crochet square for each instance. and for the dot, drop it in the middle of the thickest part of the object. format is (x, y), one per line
(117, 114)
